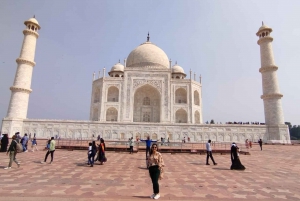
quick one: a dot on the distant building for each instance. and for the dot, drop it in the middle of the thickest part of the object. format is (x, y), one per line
(145, 96)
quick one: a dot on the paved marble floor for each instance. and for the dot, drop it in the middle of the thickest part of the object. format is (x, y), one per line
(271, 174)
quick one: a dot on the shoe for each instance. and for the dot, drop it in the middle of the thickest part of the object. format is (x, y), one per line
(7, 168)
(215, 163)
(207, 164)
(18, 165)
(26, 151)
(92, 165)
(152, 196)
(156, 196)
(42, 162)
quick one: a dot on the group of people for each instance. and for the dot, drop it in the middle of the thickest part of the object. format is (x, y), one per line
(23, 140)
(99, 153)
(234, 153)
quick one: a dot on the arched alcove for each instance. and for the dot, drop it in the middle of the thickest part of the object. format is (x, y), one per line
(113, 94)
(197, 117)
(181, 116)
(180, 96)
(196, 98)
(95, 115)
(111, 114)
(146, 107)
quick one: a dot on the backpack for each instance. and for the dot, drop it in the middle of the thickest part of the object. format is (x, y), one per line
(19, 147)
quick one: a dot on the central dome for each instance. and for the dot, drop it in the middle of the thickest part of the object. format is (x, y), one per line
(147, 55)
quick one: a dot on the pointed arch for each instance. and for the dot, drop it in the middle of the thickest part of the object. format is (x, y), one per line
(196, 98)
(111, 114)
(146, 106)
(181, 116)
(181, 96)
(113, 94)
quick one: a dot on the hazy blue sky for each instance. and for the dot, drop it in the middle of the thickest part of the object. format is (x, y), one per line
(213, 38)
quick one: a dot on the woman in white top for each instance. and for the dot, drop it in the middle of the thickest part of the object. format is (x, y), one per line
(156, 164)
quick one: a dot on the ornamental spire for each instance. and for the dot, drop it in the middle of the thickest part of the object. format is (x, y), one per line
(148, 37)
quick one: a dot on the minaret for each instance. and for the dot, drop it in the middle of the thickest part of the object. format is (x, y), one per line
(271, 94)
(20, 90)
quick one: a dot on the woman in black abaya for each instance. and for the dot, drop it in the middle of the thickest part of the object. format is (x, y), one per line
(236, 163)
(4, 143)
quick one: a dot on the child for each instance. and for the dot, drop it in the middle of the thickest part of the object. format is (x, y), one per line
(34, 145)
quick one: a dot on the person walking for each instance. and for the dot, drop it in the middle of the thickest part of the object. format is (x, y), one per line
(92, 153)
(131, 145)
(156, 165)
(235, 159)
(12, 150)
(4, 143)
(209, 153)
(24, 142)
(34, 145)
(51, 150)
(260, 144)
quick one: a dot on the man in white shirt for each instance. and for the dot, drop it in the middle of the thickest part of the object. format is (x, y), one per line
(209, 153)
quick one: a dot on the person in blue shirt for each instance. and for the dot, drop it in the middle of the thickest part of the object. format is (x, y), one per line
(148, 145)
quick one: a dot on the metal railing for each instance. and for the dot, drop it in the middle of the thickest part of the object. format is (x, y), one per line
(141, 146)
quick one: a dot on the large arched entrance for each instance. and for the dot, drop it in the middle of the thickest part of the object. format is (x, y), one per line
(146, 106)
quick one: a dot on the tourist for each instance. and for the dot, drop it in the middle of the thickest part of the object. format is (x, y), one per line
(91, 153)
(4, 143)
(12, 150)
(24, 142)
(34, 145)
(156, 165)
(209, 153)
(260, 144)
(247, 144)
(51, 150)
(235, 160)
(101, 152)
(148, 145)
(131, 145)
(189, 139)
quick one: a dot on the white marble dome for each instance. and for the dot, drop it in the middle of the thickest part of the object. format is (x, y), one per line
(33, 21)
(177, 69)
(117, 67)
(147, 55)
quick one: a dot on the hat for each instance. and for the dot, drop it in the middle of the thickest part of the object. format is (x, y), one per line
(17, 133)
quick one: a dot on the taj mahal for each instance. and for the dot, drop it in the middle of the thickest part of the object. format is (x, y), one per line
(146, 95)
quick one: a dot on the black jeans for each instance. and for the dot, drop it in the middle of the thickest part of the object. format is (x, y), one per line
(154, 174)
(131, 149)
(147, 151)
(48, 152)
(209, 154)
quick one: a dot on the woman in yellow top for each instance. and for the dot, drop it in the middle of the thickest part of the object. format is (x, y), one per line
(156, 164)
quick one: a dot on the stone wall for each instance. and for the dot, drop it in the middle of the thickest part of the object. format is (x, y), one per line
(122, 131)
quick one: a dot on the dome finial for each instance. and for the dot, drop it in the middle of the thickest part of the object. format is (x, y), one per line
(262, 23)
(148, 37)
(175, 62)
(33, 16)
(119, 60)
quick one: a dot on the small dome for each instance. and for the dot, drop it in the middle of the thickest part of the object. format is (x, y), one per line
(147, 55)
(33, 21)
(177, 69)
(117, 67)
(263, 27)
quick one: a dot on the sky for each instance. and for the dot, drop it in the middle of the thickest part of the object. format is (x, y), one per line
(216, 39)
